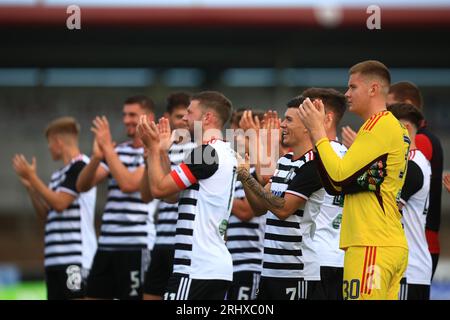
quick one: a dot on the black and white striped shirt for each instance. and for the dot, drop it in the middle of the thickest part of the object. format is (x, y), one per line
(283, 256)
(127, 223)
(167, 212)
(70, 235)
(245, 238)
(207, 179)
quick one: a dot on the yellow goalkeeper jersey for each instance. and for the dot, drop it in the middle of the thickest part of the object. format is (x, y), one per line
(375, 163)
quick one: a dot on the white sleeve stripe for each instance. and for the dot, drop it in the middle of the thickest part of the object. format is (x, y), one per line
(66, 190)
(297, 194)
(104, 166)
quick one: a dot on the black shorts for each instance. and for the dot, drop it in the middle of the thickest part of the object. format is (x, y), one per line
(180, 287)
(65, 282)
(332, 279)
(118, 274)
(244, 286)
(159, 270)
(289, 289)
(410, 291)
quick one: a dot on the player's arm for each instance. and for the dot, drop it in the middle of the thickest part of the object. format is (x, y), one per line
(127, 181)
(94, 172)
(160, 182)
(242, 209)
(257, 196)
(262, 199)
(200, 164)
(267, 147)
(157, 182)
(40, 207)
(58, 200)
(144, 187)
(165, 162)
(413, 182)
(329, 186)
(305, 182)
(367, 148)
(291, 204)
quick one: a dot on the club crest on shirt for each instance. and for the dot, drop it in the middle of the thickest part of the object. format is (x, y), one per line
(73, 278)
(337, 221)
(289, 175)
(223, 227)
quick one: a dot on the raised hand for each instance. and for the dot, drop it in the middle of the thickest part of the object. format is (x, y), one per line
(148, 132)
(248, 121)
(23, 168)
(165, 134)
(446, 181)
(102, 132)
(313, 116)
(97, 152)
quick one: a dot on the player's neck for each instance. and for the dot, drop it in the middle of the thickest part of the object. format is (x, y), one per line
(211, 134)
(332, 134)
(301, 149)
(376, 107)
(412, 146)
(69, 154)
(136, 142)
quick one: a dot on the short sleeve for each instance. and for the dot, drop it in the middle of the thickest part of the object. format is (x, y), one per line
(413, 181)
(70, 181)
(201, 163)
(306, 181)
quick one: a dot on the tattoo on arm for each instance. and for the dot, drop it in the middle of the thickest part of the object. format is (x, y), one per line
(271, 200)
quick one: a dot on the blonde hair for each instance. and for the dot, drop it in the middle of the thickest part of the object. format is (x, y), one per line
(64, 125)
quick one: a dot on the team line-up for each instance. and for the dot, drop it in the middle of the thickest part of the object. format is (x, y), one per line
(191, 214)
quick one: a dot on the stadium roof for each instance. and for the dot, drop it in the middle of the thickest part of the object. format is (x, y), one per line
(310, 13)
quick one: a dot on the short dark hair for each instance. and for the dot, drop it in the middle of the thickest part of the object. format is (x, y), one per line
(408, 112)
(331, 98)
(216, 101)
(177, 100)
(405, 90)
(63, 125)
(295, 102)
(372, 68)
(145, 102)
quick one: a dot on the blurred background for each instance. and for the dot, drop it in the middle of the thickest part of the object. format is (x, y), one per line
(259, 53)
